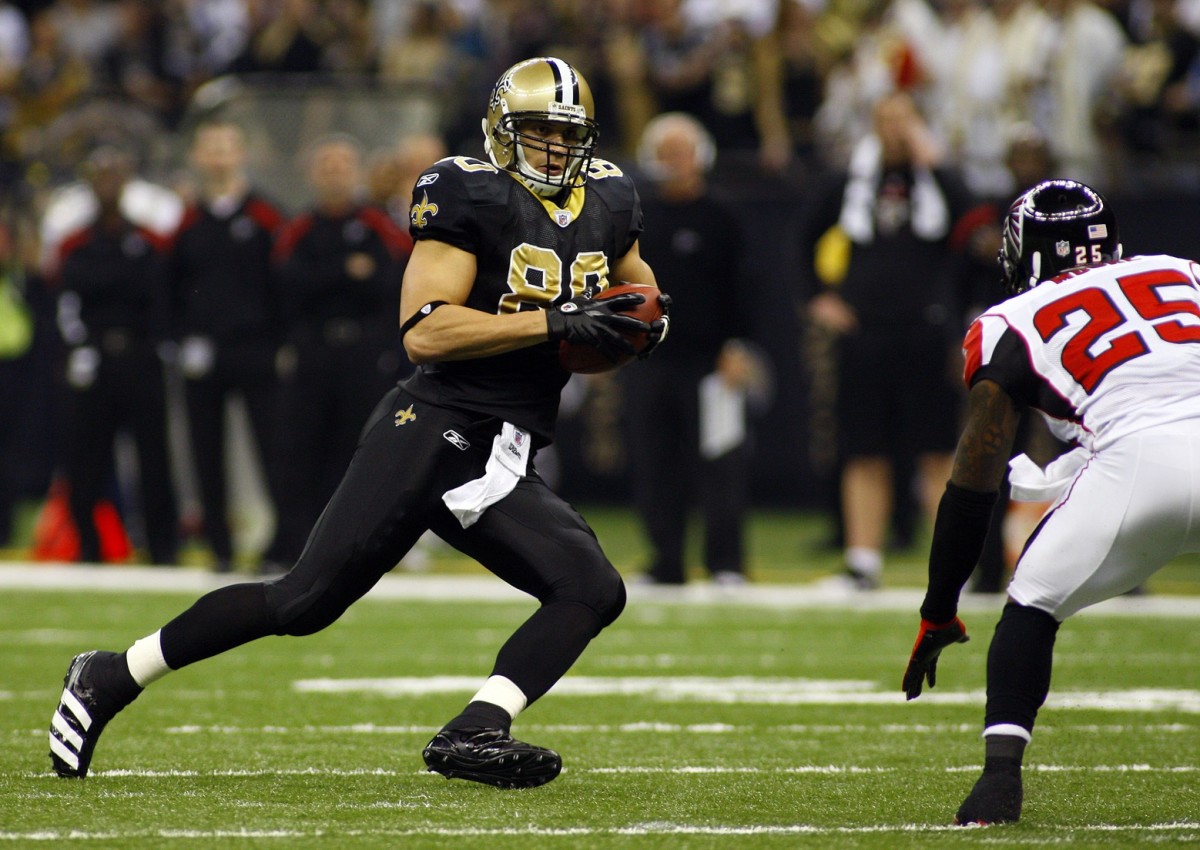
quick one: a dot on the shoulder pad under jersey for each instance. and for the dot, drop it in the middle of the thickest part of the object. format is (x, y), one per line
(613, 185)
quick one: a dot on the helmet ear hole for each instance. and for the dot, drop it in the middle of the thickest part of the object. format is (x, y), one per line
(487, 137)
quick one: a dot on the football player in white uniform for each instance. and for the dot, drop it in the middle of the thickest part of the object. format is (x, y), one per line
(1108, 350)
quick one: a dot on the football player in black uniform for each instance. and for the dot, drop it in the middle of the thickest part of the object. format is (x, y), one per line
(508, 254)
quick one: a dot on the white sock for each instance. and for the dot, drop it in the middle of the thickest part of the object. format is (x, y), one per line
(1008, 729)
(500, 690)
(146, 662)
(863, 559)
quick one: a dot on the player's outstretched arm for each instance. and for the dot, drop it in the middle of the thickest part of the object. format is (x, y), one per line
(963, 516)
(437, 325)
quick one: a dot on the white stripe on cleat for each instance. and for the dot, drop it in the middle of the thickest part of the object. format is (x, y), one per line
(81, 713)
(63, 752)
(68, 734)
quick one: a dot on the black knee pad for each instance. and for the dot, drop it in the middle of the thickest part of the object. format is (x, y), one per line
(297, 610)
(308, 623)
(615, 601)
(594, 584)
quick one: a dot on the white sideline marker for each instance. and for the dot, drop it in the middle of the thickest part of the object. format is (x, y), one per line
(760, 691)
(482, 588)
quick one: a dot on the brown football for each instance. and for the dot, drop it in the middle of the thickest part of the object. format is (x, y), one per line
(588, 359)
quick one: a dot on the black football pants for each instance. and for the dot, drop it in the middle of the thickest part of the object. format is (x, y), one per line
(249, 370)
(322, 407)
(127, 393)
(662, 417)
(389, 496)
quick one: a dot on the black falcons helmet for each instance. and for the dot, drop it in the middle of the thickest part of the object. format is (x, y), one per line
(1055, 226)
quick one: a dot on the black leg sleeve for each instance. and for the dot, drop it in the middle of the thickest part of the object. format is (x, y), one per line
(1018, 668)
(543, 649)
(221, 620)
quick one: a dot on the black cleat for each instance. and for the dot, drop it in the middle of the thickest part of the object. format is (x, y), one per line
(996, 798)
(88, 702)
(490, 756)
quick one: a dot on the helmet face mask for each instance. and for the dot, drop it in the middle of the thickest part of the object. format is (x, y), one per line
(1055, 226)
(542, 107)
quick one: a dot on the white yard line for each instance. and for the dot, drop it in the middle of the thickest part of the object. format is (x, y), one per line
(628, 770)
(658, 728)
(29, 576)
(657, 828)
(751, 690)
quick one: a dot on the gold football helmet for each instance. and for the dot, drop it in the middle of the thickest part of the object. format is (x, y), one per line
(541, 89)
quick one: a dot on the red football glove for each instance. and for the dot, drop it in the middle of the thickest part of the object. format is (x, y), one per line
(931, 640)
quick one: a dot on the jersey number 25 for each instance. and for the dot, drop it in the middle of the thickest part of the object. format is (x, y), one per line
(1144, 294)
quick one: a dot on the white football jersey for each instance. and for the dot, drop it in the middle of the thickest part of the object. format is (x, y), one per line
(1103, 351)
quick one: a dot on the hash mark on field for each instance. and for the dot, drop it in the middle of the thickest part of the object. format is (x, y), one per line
(1093, 768)
(830, 769)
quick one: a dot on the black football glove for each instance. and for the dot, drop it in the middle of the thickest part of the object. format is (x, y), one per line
(659, 327)
(931, 640)
(585, 321)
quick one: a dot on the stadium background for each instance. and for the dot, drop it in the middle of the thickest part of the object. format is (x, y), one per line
(284, 112)
(789, 470)
(283, 117)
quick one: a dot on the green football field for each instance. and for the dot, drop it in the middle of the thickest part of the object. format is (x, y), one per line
(766, 717)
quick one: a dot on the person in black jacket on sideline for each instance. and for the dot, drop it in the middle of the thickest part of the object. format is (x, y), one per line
(227, 318)
(113, 316)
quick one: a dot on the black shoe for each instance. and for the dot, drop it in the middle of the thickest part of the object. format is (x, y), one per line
(89, 700)
(490, 756)
(996, 798)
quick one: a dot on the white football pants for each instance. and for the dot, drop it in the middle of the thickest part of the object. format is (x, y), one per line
(1133, 507)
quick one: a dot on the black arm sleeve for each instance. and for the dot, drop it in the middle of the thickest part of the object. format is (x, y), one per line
(958, 532)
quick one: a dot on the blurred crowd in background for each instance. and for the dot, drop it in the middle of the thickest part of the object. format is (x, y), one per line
(785, 90)
(1105, 80)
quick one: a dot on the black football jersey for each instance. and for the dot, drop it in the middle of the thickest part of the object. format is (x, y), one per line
(531, 254)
